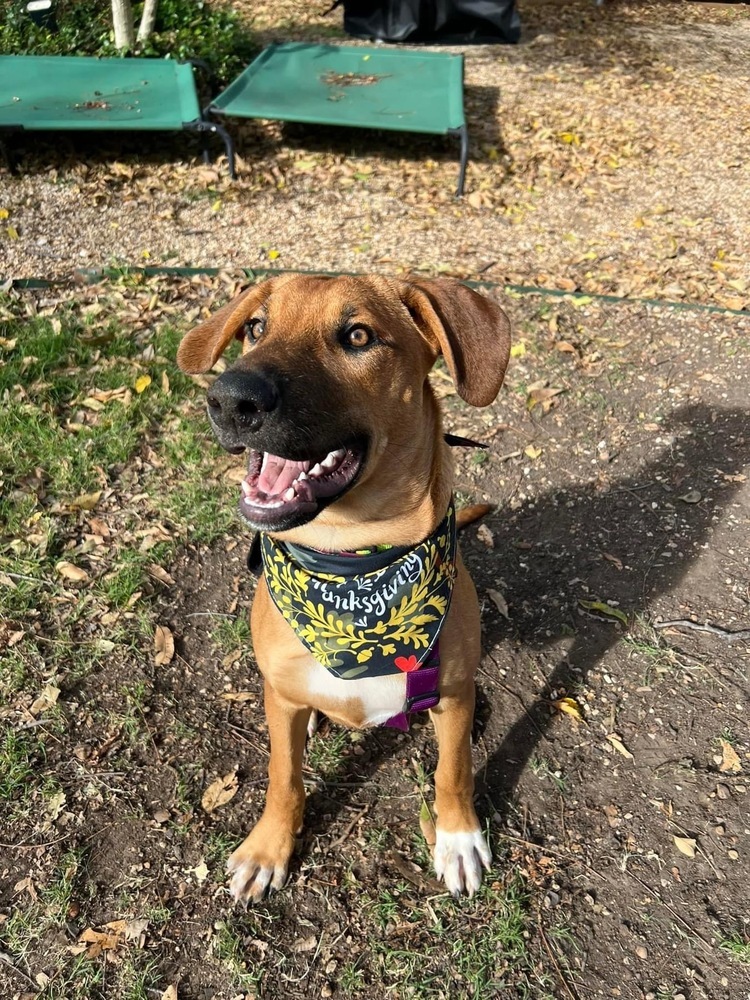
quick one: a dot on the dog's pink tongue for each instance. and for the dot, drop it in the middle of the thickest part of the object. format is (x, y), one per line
(278, 474)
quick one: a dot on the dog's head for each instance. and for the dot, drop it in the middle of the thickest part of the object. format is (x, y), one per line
(331, 388)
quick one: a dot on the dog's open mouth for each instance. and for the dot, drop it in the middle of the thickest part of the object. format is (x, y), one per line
(279, 493)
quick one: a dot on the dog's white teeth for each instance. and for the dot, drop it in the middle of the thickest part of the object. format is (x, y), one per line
(317, 470)
(263, 464)
(330, 461)
(289, 494)
(339, 453)
(302, 477)
(246, 487)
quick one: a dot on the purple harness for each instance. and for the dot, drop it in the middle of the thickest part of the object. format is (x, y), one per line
(422, 690)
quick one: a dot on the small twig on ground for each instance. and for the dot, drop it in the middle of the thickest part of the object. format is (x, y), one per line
(655, 893)
(7, 959)
(571, 994)
(350, 826)
(723, 633)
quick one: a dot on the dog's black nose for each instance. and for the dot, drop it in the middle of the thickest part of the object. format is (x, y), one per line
(238, 402)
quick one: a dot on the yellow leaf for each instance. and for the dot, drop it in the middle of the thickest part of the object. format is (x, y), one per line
(730, 760)
(12, 233)
(604, 609)
(163, 645)
(619, 746)
(220, 791)
(570, 707)
(518, 350)
(570, 138)
(142, 383)
(216, 205)
(4, 213)
(86, 501)
(273, 254)
(686, 845)
(145, 254)
(532, 452)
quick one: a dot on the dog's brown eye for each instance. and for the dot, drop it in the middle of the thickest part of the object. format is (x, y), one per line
(254, 329)
(358, 337)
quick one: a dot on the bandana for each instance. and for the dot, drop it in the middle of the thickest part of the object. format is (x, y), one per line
(366, 614)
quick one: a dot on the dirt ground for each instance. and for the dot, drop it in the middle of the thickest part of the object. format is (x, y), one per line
(628, 830)
(613, 569)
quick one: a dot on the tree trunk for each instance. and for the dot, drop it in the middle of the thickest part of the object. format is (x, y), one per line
(122, 20)
(148, 19)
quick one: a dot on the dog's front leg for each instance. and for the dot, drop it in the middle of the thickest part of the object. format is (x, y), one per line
(461, 850)
(262, 859)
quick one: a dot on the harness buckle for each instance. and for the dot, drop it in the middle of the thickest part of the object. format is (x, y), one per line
(431, 698)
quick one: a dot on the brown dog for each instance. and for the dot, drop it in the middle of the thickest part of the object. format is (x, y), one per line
(332, 401)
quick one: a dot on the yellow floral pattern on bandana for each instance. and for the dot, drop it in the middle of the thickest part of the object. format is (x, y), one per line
(367, 623)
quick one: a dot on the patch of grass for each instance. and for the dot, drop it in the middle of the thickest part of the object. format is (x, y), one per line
(543, 768)
(738, 946)
(232, 632)
(351, 978)
(233, 955)
(20, 756)
(474, 950)
(326, 754)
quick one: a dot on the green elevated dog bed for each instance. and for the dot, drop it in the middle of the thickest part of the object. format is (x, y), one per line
(46, 93)
(398, 89)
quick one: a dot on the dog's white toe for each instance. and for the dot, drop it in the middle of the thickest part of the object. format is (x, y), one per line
(460, 859)
(250, 881)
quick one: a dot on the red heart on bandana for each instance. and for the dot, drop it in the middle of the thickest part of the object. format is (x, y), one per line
(407, 663)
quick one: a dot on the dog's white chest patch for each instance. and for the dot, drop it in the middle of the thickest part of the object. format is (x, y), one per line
(380, 698)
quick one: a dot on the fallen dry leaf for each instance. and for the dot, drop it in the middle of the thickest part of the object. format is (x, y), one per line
(499, 601)
(99, 941)
(170, 993)
(485, 536)
(86, 501)
(532, 452)
(619, 746)
(542, 397)
(570, 707)
(220, 791)
(163, 645)
(613, 559)
(200, 871)
(730, 760)
(46, 699)
(239, 696)
(160, 574)
(71, 572)
(686, 845)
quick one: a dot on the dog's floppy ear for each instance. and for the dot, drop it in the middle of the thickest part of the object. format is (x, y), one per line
(471, 331)
(200, 349)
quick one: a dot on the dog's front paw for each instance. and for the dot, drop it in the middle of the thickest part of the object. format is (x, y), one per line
(460, 858)
(261, 861)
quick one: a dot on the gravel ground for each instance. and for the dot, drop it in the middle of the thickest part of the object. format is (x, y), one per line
(608, 154)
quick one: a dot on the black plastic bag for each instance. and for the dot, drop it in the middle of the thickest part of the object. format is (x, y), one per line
(447, 21)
